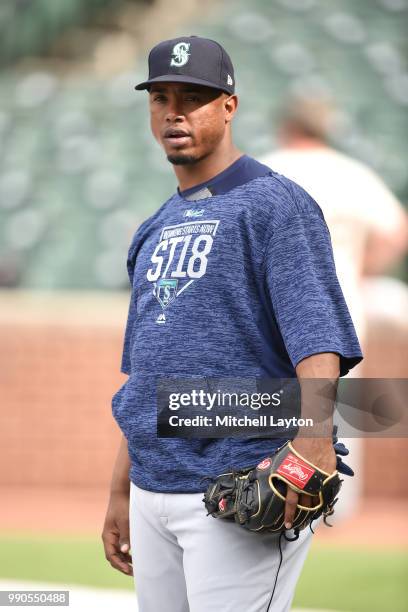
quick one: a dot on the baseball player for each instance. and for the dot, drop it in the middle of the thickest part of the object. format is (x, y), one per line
(232, 276)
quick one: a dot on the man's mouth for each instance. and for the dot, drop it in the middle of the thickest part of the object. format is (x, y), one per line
(176, 137)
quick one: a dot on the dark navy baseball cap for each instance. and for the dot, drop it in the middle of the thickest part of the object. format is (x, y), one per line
(191, 59)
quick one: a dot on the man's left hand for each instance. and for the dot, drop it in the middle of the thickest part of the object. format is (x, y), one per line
(321, 453)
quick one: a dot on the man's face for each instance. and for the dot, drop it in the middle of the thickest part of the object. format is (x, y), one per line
(187, 120)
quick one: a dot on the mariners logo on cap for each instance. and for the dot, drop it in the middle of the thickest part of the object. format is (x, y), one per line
(180, 54)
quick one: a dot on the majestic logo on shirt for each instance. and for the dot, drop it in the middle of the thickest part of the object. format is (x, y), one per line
(161, 318)
(180, 258)
(193, 213)
(180, 54)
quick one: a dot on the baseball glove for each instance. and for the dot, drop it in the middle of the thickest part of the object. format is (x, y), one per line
(255, 497)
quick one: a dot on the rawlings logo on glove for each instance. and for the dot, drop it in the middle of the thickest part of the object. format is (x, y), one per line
(296, 470)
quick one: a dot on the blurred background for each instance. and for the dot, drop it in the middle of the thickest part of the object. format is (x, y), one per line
(323, 90)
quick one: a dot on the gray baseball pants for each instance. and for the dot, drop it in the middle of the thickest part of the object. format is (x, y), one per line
(185, 561)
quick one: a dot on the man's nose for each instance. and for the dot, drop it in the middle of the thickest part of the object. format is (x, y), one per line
(174, 110)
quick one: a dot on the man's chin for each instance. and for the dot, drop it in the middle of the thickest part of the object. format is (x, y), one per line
(178, 159)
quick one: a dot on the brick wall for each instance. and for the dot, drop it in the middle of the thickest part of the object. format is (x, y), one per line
(58, 374)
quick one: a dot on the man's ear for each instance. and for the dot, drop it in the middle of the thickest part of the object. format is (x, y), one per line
(230, 106)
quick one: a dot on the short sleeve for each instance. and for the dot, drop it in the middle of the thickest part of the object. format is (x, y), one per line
(132, 313)
(307, 299)
(127, 344)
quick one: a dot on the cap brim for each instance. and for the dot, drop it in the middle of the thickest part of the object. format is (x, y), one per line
(179, 78)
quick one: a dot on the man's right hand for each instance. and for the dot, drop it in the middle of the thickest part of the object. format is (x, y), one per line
(115, 534)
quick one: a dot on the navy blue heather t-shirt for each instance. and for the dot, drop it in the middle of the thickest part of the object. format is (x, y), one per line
(234, 277)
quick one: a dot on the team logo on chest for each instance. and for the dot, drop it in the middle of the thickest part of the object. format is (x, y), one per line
(180, 54)
(165, 291)
(179, 259)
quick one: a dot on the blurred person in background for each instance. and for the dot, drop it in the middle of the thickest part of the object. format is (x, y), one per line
(368, 225)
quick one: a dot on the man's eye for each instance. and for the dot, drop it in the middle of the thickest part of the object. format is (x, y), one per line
(192, 98)
(159, 98)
